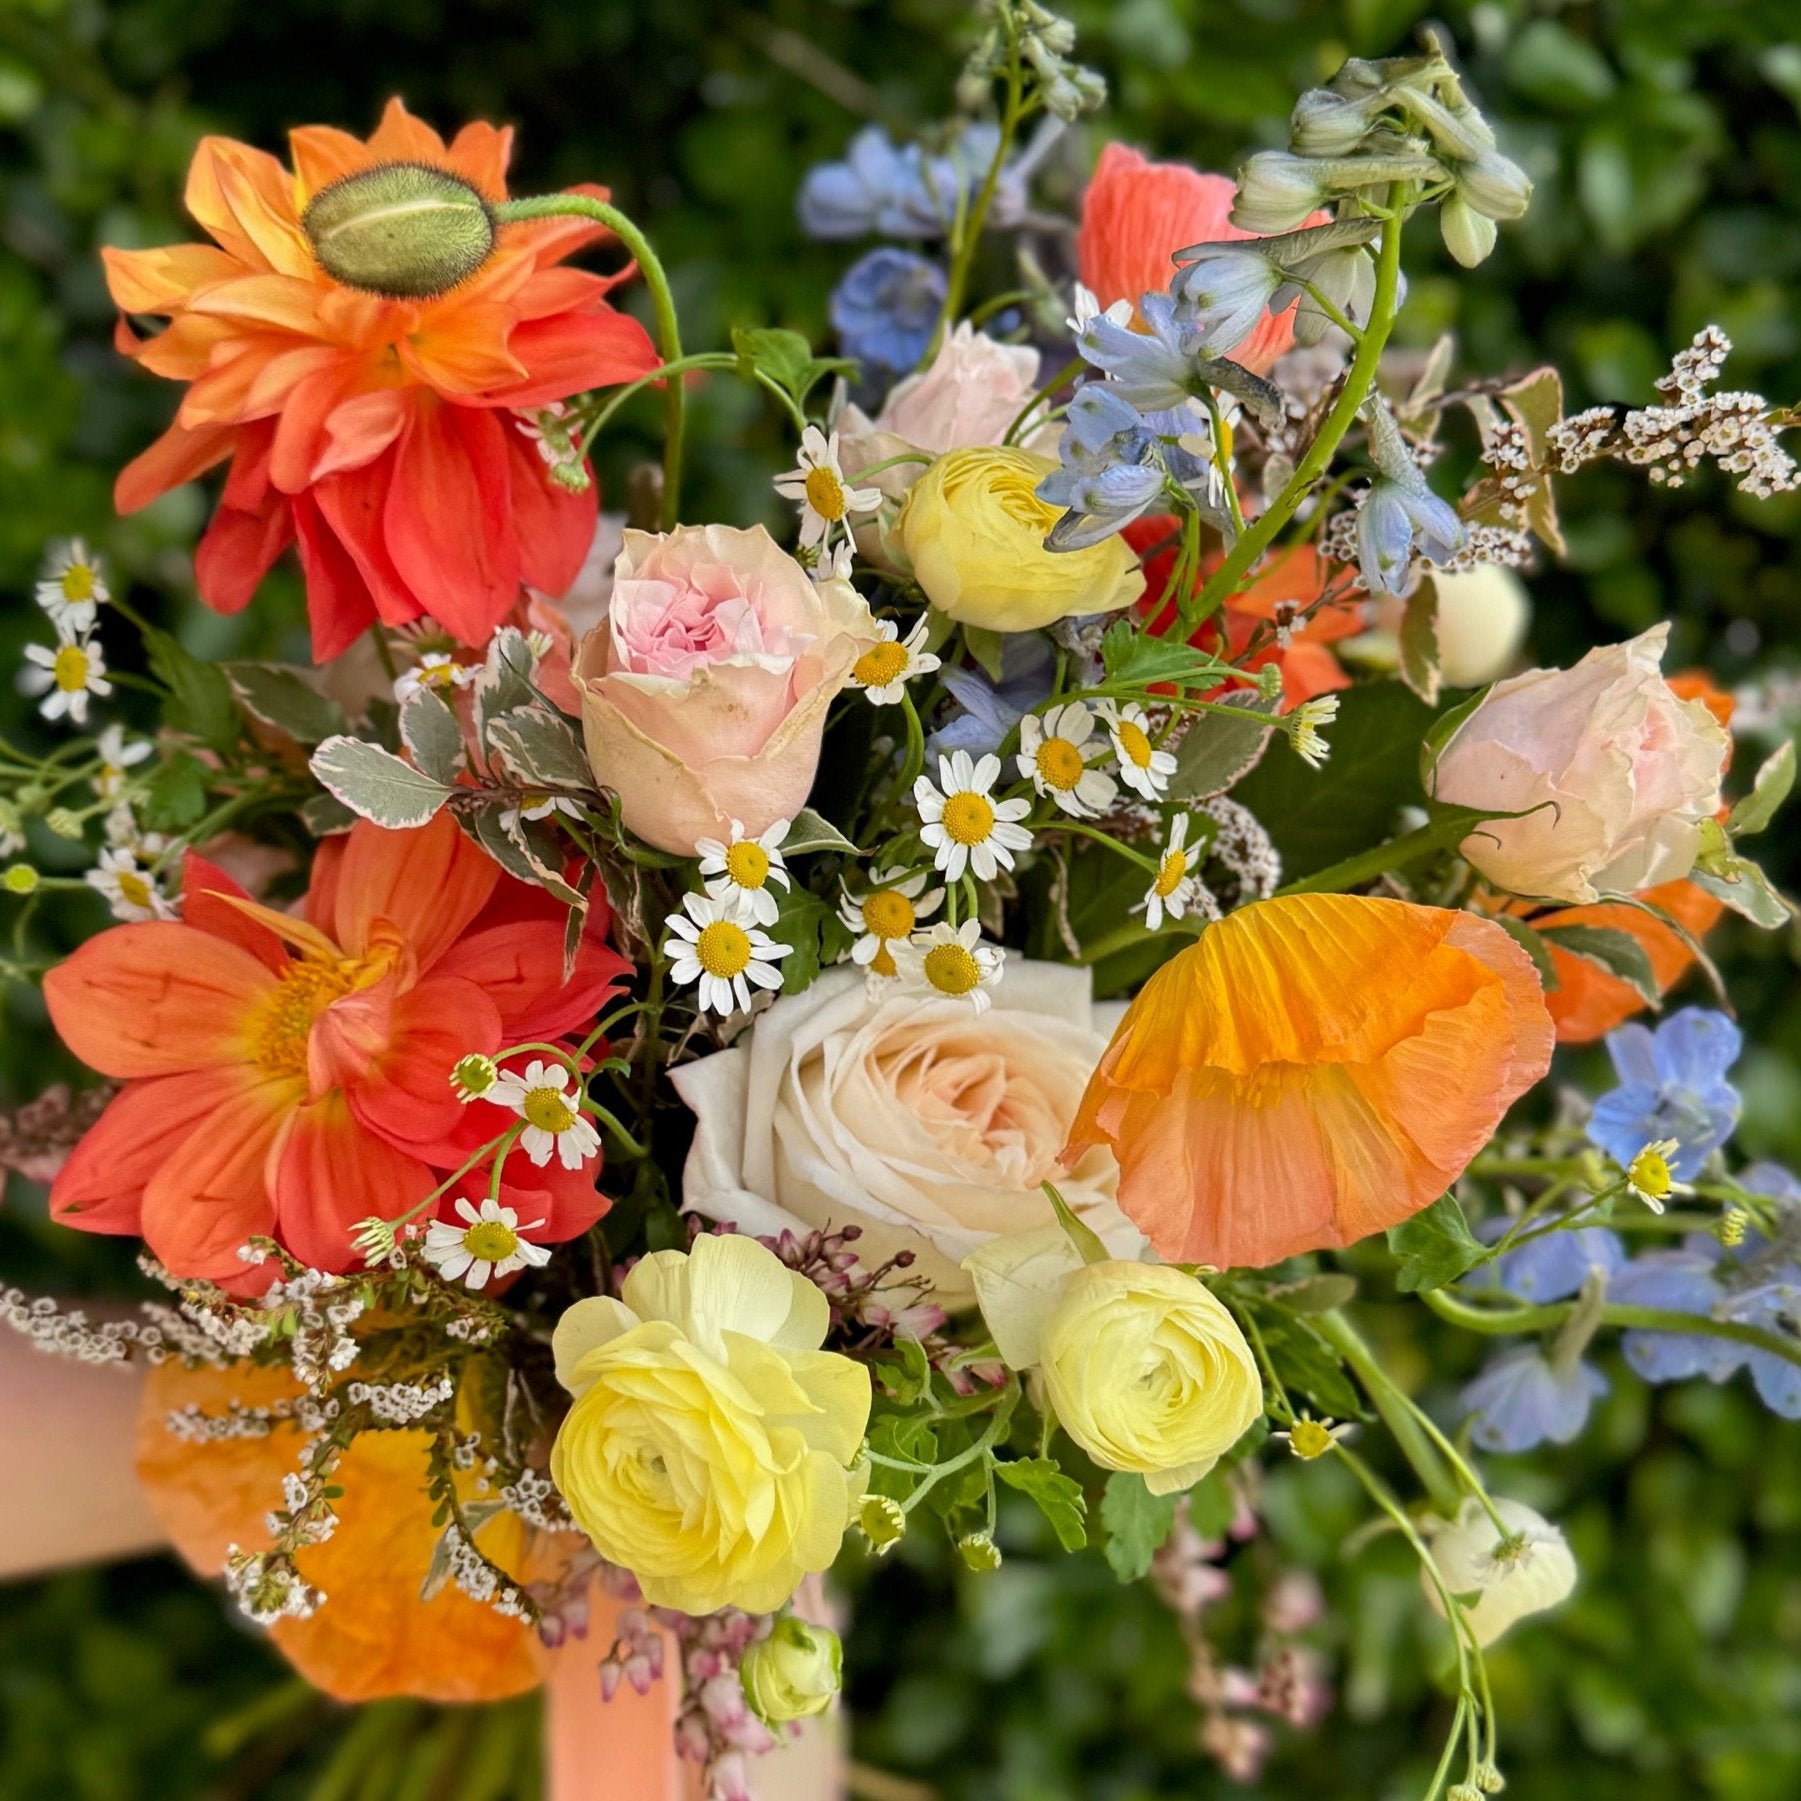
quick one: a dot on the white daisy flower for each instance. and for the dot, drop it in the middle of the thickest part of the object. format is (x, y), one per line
(888, 914)
(551, 1113)
(125, 831)
(488, 1243)
(742, 870)
(834, 565)
(72, 589)
(65, 676)
(538, 806)
(817, 482)
(952, 961)
(1056, 749)
(1303, 726)
(963, 825)
(1648, 1175)
(1172, 890)
(716, 945)
(436, 669)
(130, 890)
(1142, 767)
(885, 668)
(117, 756)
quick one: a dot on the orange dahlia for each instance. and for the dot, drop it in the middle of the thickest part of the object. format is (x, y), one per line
(1314, 1069)
(377, 433)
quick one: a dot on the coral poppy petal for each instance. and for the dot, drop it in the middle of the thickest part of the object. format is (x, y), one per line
(402, 138)
(180, 454)
(480, 153)
(338, 599)
(322, 154)
(556, 528)
(570, 352)
(238, 549)
(326, 1172)
(427, 883)
(161, 280)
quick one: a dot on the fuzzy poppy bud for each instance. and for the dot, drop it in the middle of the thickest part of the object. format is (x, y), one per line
(403, 230)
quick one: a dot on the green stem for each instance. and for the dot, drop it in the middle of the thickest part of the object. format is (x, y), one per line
(1353, 872)
(1359, 380)
(669, 331)
(970, 234)
(1067, 373)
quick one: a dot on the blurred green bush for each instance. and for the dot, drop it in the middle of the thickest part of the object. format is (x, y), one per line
(1666, 144)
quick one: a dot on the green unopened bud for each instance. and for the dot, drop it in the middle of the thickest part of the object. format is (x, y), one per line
(1468, 234)
(979, 1552)
(883, 1520)
(1327, 124)
(1495, 185)
(402, 230)
(1463, 1791)
(1489, 1780)
(793, 1673)
(21, 878)
(63, 823)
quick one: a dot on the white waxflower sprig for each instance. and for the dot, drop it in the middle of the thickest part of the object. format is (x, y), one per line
(963, 825)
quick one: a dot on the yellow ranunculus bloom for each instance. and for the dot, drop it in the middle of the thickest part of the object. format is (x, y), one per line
(709, 1446)
(973, 530)
(1147, 1371)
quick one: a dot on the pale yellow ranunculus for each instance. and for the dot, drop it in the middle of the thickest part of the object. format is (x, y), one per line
(1143, 1366)
(709, 1447)
(973, 530)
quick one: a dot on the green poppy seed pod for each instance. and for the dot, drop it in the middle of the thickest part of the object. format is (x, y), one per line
(402, 230)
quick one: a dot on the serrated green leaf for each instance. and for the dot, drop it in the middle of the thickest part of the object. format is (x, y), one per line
(1057, 1496)
(376, 785)
(175, 795)
(200, 698)
(1435, 1247)
(903, 1371)
(1310, 1368)
(1617, 952)
(1771, 788)
(1132, 655)
(1137, 1523)
(282, 697)
(429, 729)
(787, 359)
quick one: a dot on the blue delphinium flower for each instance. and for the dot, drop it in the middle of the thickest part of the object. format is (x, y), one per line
(885, 308)
(1111, 469)
(990, 709)
(1552, 1267)
(1672, 1086)
(1522, 1398)
(1678, 1281)
(900, 192)
(1396, 519)
(1223, 293)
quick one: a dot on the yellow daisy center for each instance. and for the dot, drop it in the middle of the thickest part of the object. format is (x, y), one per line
(888, 915)
(968, 817)
(133, 888)
(1171, 871)
(723, 949)
(951, 969)
(1134, 746)
(825, 493)
(1060, 764)
(1308, 1438)
(548, 1109)
(444, 675)
(492, 1241)
(78, 583)
(1650, 1174)
(70, 670)
(880, 664)
(306, 989)
(747, 864)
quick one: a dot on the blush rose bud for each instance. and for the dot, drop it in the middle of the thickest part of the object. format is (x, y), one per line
(402, 230)
(794, 1673)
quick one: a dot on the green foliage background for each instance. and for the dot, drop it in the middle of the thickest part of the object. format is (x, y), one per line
(1666, 145)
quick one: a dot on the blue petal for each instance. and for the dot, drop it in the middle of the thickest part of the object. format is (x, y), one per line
(1695, 1047)
(1521, 1401)
(1554, 1267)
(1634, 1054)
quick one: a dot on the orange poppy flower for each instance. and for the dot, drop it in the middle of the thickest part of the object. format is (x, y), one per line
(377, 433)
(374, 1635)
(289, 1076)
(1137, 214)
(1312, 1070)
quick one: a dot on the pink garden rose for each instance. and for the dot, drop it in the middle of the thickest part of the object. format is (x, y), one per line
(972, 392)
(1630, 772)
(704, 689)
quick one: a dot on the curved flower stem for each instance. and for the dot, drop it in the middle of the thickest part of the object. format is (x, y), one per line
(669, 331)
(969, 232)
(1040, 396)
(1497, 1320)
(1359, 380)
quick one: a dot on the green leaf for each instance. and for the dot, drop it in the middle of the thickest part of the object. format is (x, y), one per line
(986, 647)
(1533, 944)
(1440, 733)
(1211, 1508)
(787, 359)
(429, 729)
(1137, 1523)
(325, 815)
(1057, 1496)
(376, 784)
(282, 697)
(1419, 641)
(813, 831)
(539, 748)
(1216, 750)
(505, 681)
(903, 1371)
(1308, 1367)
(175, 796)
(1435, 1247)
(1617, 952)
(1316, 1294)
(200, 698)
(1771, 788)
(1745, 889)
(800, 921)
(1132, 655)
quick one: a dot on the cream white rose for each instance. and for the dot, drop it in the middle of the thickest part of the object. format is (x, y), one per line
(1526, 1572)
(927, 1126)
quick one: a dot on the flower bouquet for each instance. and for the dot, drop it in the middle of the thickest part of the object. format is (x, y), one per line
(673, 1055)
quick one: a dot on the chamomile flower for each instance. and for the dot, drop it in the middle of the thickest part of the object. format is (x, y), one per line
(117, 756)
(953, 962)
(1648, 1175)
(1142, 767)
(1304, 728)
(489, 1242)
(130, 890)
(817, 482)
(962, 824)
(887, 915)
(1056, 749)
(1174, 887)
(716, 945)
(72, 589)
(742, 870)
(885, 668)
(65, 677)
(473, 1076)
(553, 1121)
(1309, 1438)
(437, 670)
(538, 806)
(834, 565)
